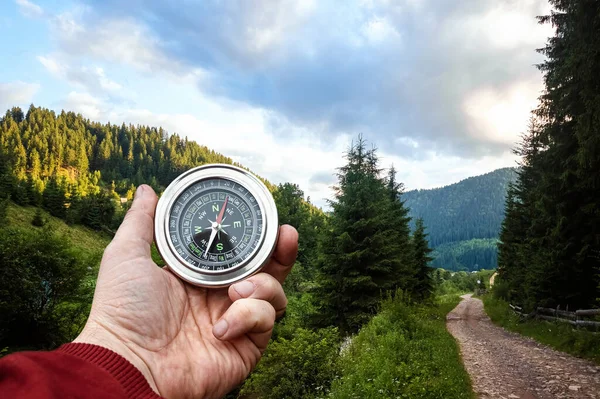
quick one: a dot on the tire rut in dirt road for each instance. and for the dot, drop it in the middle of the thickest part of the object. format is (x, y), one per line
(507, 365)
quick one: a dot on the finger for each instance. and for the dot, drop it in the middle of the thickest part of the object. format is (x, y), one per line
(261, 286)
(285, 253)
(247, 316)
(136, 233)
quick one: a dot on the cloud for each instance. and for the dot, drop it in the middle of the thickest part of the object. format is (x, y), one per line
(391, 70)
(85, 104)
(119, 41)
(92, 79)
(30, 9)
(16, 94)
(443, 89)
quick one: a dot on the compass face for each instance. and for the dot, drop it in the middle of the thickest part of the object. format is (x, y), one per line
(215, 224)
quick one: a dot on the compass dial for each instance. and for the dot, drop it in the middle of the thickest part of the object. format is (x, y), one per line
(194, 218)
(216, 225)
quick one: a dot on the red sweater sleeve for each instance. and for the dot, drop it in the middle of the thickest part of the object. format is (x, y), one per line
(72, 371)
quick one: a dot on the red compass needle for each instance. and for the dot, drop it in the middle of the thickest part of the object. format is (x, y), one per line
(220, 217)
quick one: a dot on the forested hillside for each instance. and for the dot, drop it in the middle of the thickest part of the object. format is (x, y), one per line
(78, 169)
(464, 219)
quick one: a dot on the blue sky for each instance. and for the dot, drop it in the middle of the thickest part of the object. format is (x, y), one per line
(442, 88)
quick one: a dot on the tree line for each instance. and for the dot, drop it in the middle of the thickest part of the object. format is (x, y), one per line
(550, 241)
(79, 170)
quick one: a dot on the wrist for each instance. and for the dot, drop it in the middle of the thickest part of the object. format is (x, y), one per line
(96, 334)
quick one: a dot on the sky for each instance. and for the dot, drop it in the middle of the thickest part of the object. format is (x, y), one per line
(442, 88)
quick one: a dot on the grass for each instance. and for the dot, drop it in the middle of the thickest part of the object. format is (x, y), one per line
(404, 352)
(562, 337)
(89, 242)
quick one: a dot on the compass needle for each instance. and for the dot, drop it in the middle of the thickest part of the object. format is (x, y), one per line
(190, 218)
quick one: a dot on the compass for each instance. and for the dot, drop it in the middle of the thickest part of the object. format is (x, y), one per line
(215, 225)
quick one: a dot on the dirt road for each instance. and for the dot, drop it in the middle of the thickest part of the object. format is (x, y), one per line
(507, 365)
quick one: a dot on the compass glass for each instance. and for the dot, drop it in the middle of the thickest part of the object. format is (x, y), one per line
(215, 225)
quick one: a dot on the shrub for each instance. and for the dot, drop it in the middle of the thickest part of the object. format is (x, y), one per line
(38, 219)
(42, 301)
(301, 367)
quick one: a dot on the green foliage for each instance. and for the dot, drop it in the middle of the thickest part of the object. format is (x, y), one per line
(423, 286)
(55, 198)
(560, 336)
(42, 298)
(301, 367)
(448, 283)
(549, 250)
(294, 210)
(404, 352)
(361, 252)
(3, 210)
(89, 243)
(38, 219)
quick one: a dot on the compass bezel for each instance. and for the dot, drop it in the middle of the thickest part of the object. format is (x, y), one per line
(221, 278)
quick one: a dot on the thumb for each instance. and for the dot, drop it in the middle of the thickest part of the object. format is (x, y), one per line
(136, 233)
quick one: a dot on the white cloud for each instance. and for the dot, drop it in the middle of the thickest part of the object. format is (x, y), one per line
(118, 41)
(30, 9)
(297, 80)
(16, 94)
(501, 115)
(85, 104)
(91, 79)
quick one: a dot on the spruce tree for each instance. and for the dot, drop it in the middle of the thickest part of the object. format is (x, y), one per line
(38, 218)
(359, 251)
(405, 275)
(54, 198)
(550, 246)
(3, 211)
(424, 285)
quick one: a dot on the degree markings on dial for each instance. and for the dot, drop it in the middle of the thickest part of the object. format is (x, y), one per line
(242, 203)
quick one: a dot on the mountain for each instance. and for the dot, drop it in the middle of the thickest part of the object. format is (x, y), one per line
(463, 219)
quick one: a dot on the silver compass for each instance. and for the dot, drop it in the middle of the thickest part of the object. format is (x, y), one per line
(215, 225)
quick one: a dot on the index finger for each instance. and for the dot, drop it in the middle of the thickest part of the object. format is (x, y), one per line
(285, 253)
(136, 233)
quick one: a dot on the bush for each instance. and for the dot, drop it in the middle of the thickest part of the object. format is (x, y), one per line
(404, 351)
(42, 300)
(301, 367)
(38, 219)
(3, 210)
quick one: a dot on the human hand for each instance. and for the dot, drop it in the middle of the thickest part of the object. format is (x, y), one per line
(187, 341)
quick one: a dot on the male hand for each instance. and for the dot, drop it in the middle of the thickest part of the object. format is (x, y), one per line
(187, 341)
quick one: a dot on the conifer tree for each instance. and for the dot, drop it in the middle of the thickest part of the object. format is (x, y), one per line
(406, 274)
(554, 259)
(360, 248)
(54, 198)
(424, 285)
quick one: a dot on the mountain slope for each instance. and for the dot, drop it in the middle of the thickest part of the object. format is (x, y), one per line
(455, 215)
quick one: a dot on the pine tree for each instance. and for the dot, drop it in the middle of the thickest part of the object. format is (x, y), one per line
(405, 274)
(38, 219)
(3, 211)
(360, 248)
(557, 196)
(54, 198)
(421, 249)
